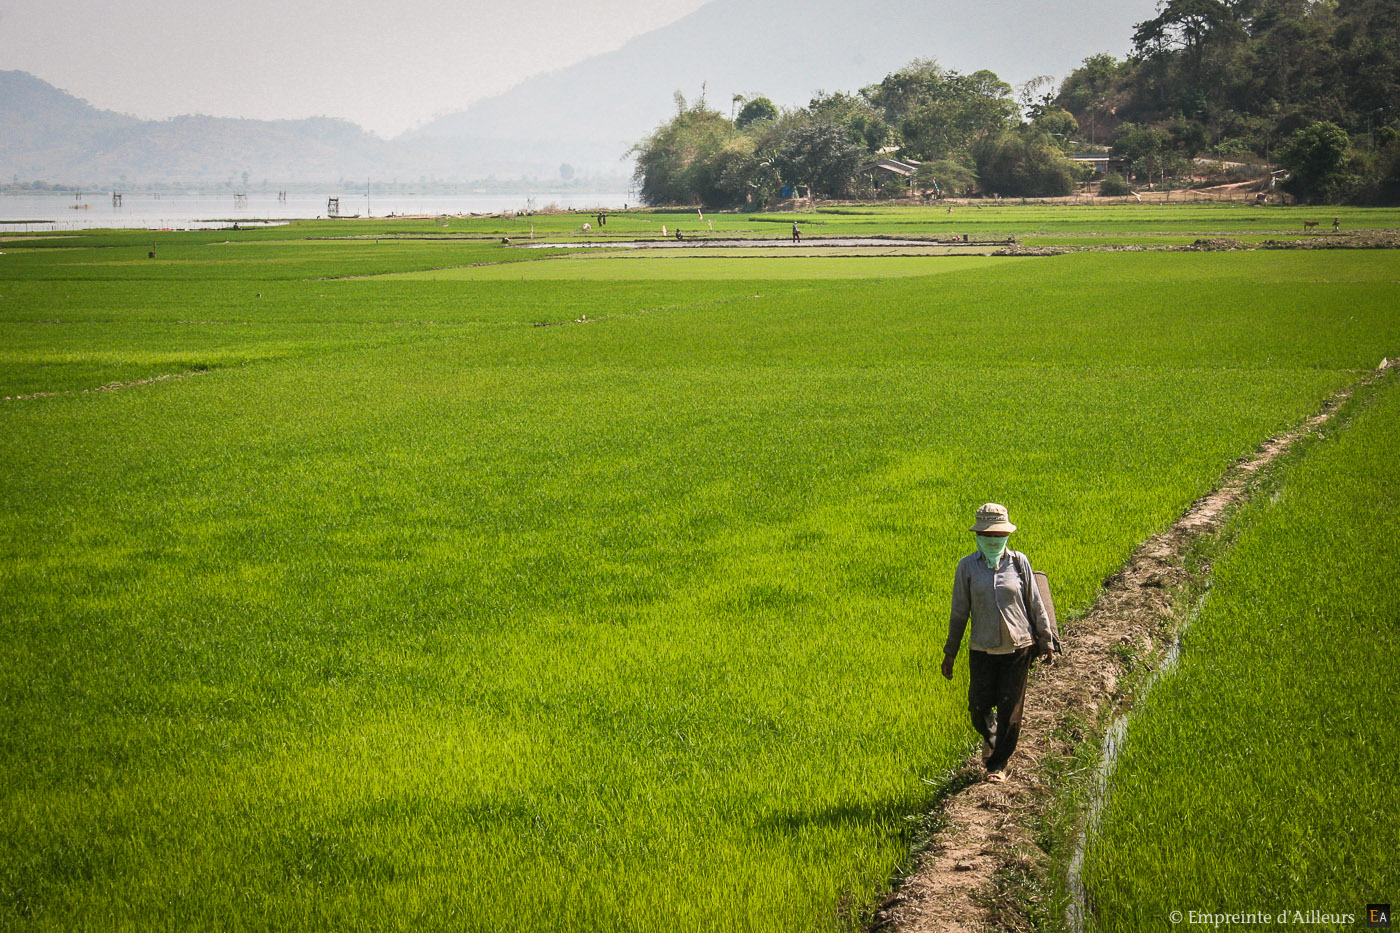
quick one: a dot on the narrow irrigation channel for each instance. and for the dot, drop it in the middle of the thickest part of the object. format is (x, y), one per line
(1100, 787)
(966, 876)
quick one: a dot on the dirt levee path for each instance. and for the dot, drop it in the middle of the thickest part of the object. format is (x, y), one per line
(692, 242)
(989, 827)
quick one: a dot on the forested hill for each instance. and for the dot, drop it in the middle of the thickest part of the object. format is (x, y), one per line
(1230, 87)
(1312, 85)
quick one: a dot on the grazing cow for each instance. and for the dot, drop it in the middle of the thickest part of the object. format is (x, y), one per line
(1309, 225)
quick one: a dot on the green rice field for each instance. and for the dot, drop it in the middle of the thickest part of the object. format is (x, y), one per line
(359, 600)
(1259, 778)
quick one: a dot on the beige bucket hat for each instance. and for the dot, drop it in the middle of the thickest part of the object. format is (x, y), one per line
(992, 517)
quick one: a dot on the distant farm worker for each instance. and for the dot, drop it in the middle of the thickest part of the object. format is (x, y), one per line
(796, 234)
(1336, 224)
(994, 586)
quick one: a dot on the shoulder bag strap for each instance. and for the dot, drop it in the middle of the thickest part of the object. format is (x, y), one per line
(1023, 567)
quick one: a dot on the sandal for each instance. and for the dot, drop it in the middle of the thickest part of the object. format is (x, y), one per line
(996, 777)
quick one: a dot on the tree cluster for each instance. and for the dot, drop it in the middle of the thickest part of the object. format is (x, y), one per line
(962, 132)
(1311, 85)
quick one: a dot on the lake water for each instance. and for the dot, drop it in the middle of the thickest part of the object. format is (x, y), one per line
(205, 212)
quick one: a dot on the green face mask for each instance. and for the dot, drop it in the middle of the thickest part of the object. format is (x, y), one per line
(991, 548)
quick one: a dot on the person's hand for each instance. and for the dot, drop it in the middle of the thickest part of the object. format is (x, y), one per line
(1047, 657)
(948, 666)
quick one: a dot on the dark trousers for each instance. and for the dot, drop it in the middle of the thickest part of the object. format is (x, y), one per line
(998, 681)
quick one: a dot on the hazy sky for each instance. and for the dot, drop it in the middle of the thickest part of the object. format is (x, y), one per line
(387, 66)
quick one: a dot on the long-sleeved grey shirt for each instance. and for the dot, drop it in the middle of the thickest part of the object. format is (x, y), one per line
(993, 598)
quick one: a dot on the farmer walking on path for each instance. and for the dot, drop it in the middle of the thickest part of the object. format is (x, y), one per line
(995, 587)
(796, 234)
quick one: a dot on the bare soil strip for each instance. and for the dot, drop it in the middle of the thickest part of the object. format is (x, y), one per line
(699, 241)
(109, 387)
(1364, 239)
(988, 828)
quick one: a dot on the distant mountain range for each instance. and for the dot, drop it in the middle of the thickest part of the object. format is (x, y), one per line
(787, 50)
(587, 115)
(47, 134)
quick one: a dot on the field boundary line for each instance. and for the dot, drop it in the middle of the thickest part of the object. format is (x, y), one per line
(379, 275)
(625, 315)
(988, 832)
(109, 387)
